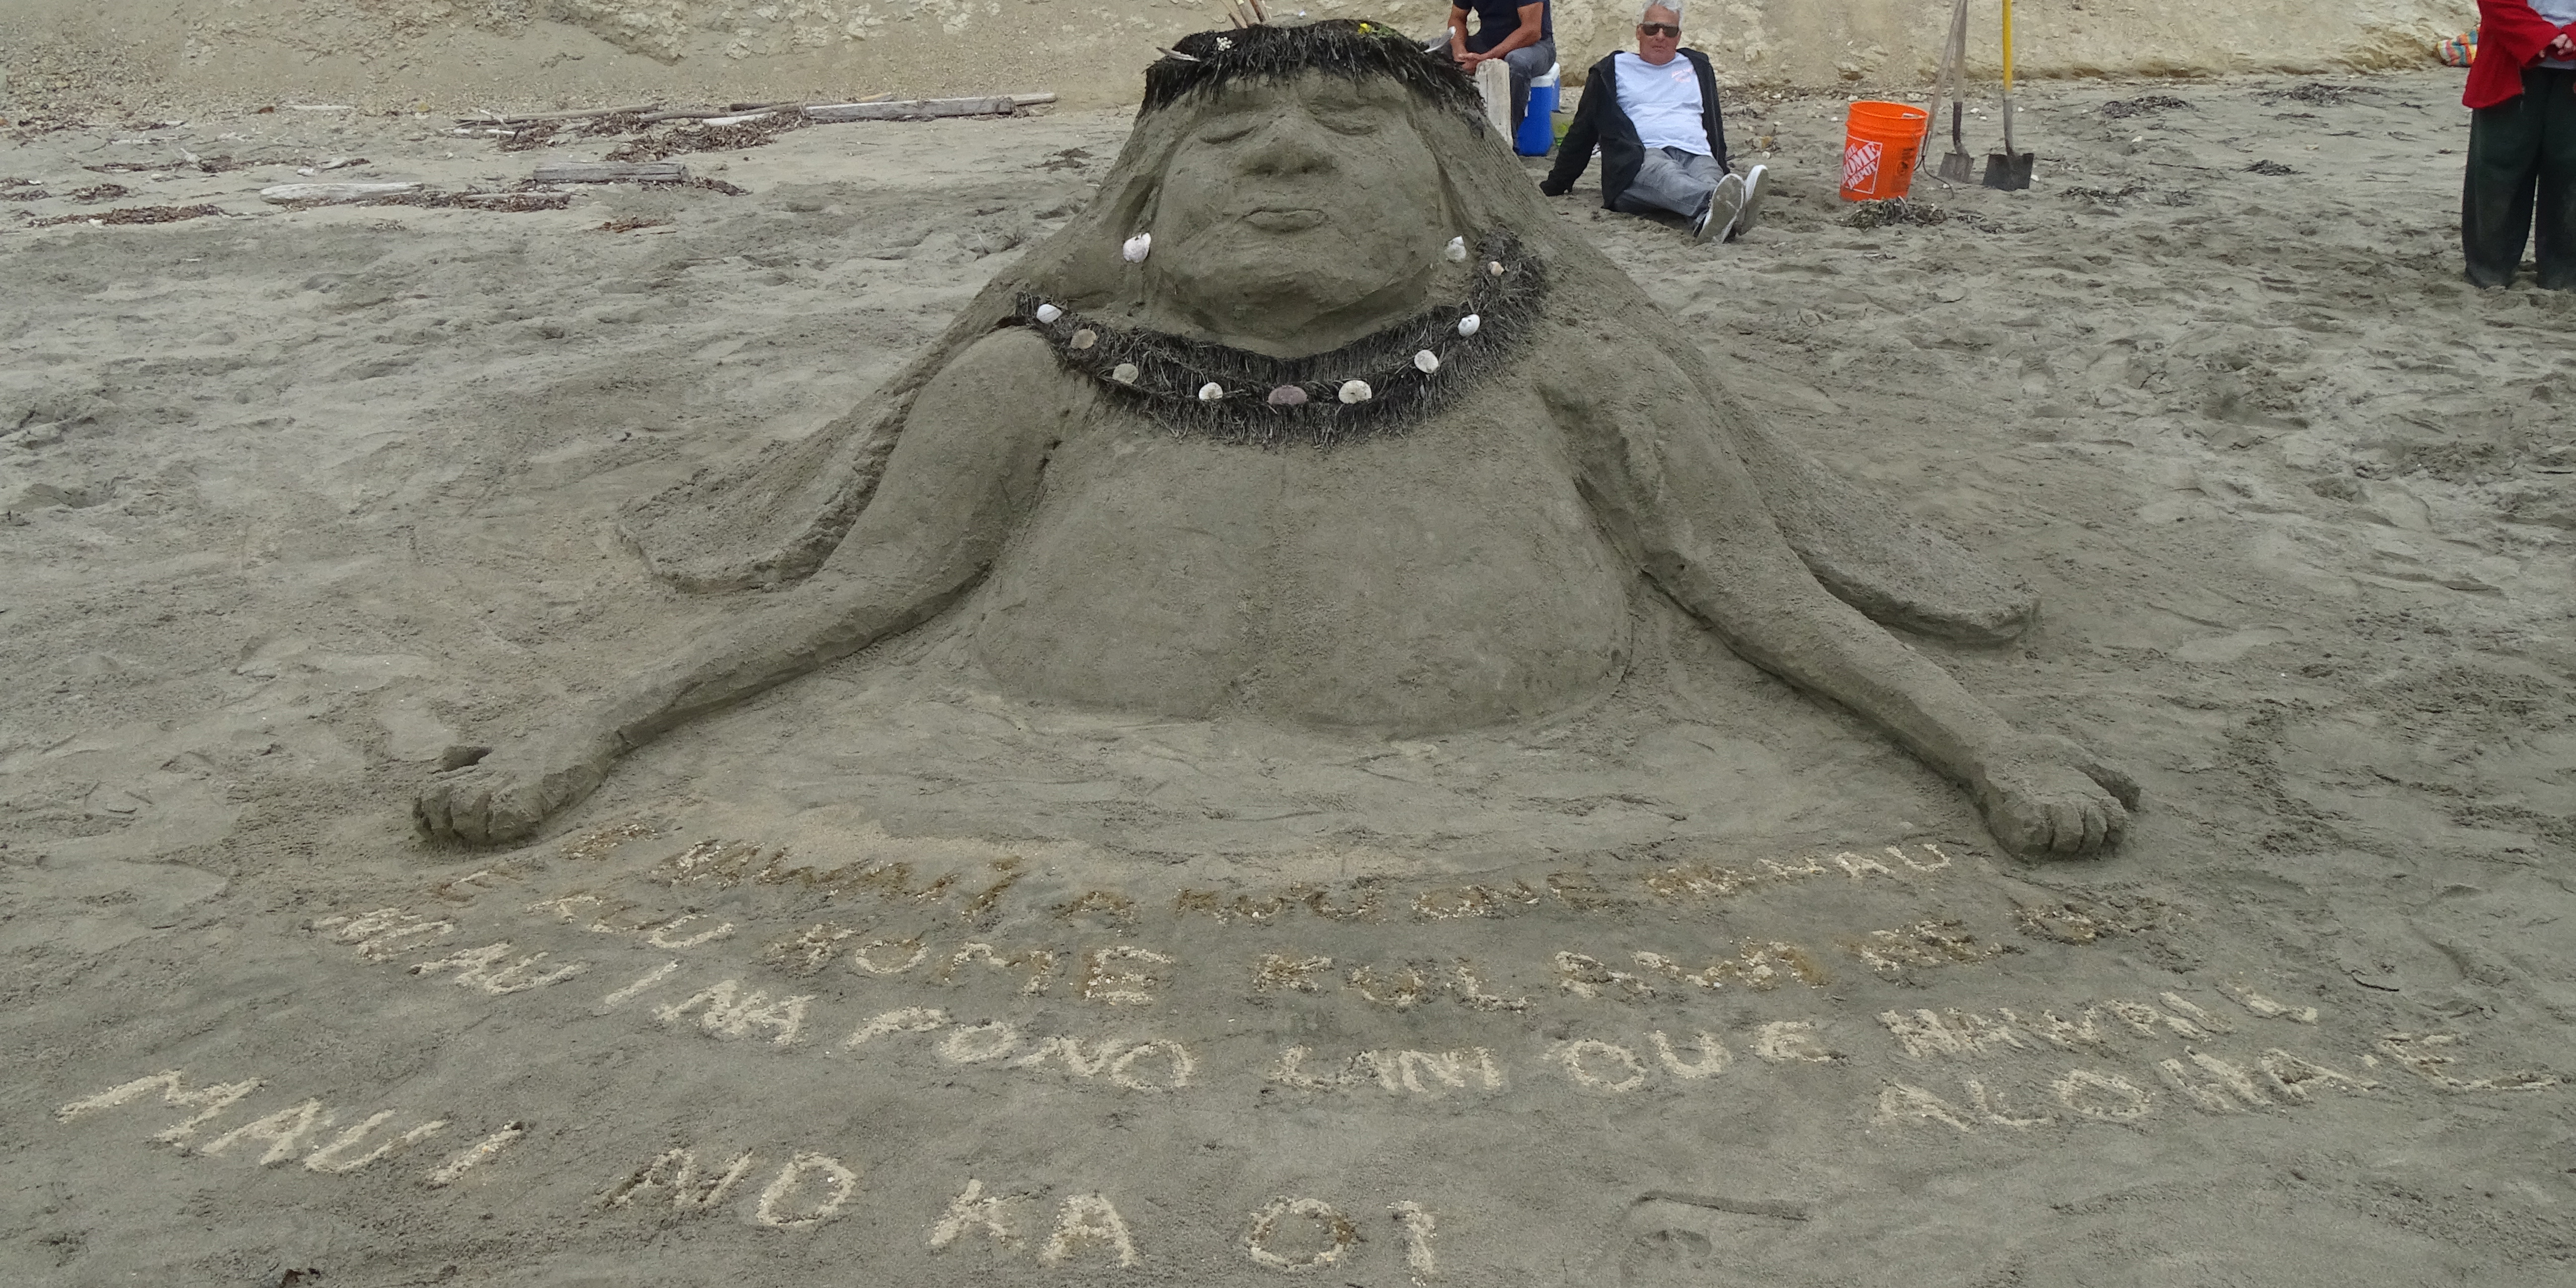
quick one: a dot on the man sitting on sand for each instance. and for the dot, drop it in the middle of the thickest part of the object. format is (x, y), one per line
(2522, 143)
(1654, 116)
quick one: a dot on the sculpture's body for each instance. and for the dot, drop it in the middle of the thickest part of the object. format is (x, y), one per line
(1458, 547)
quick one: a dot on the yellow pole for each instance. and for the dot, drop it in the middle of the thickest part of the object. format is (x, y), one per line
(2007, 46)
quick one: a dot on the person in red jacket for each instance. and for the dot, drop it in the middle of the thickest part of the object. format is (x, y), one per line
(2522, 143)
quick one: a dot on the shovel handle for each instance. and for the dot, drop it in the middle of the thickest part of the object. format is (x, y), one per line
(2007, 46)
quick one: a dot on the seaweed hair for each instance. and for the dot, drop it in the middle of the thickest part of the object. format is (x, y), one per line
(1349, 48)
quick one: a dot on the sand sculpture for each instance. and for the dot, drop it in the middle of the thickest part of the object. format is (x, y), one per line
(1315, 414)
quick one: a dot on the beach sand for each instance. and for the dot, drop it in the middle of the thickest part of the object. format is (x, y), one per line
(888, 978)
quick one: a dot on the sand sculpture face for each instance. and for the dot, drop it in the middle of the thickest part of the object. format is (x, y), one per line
(1257, 239)
(1132, 482)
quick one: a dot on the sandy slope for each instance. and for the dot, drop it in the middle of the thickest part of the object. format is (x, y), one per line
(155, 55)
(298, 500)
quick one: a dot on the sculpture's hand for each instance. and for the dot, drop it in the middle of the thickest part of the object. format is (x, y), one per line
(2046, 797)
(508, 794)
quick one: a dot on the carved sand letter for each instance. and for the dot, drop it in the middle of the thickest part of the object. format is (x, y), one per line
(979, 1042)
(730, 1011)
(973, 1209)
(1084, 1220)
(327, 1158)
(480, 1152)
(1105, 977)
(1337, 1231)
(2106, 1097)
(1399, 990)
(912, 951)
(2267, 1008)
(2294, 1076)
(677, 1171)
(480, 968)
(284, 1131)
(1791, 1041)
(840, 1185)
(1040, 961)
(908, 1019)
(1992, 1107)
(1291, 1071)
(1900, 1103)
(208, 1101)
(1176, 1073)
(1418, 1227)
(1273, 972)
(1586, 976)
(1713, 1056)
(642, 985)
(1472, 994)
(1577, 1053)
(662, 936)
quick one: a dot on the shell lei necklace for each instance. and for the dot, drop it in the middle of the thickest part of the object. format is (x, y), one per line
(1377, 384)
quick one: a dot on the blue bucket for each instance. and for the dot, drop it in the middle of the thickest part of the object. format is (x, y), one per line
(1538, 125)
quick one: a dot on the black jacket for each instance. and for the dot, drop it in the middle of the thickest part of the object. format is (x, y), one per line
(1599, 119)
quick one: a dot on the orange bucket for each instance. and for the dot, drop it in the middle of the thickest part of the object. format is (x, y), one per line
(1880, 144)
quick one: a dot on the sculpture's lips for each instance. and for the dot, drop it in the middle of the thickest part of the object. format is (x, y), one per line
(1285, 221)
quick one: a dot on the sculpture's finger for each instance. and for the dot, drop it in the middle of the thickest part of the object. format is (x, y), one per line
(429, 810)
(2096, 823)
(470, 819)
(2115, 825)
(2065, 827)
(2121, 786)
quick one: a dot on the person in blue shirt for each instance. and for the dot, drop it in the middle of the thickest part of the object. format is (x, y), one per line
(1654, 116)
(1522, 35)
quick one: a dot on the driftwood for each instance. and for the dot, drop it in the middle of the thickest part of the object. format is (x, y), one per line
(925, 109)
(287, 194)
(495, 118)
(612, 172)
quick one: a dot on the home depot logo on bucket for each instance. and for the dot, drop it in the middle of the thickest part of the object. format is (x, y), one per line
(1880, 144)
(1860, 165)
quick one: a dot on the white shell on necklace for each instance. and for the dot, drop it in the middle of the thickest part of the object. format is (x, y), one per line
(1124, 373)
(1049, 313)
(1456, 251)
(1211, 391)
(1468, 324)
(1426, 361)
(1136, 247)
(1356, 391)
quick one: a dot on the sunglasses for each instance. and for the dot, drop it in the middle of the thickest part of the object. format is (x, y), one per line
(1672, 29)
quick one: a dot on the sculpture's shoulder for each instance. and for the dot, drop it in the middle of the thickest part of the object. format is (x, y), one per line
(1009, 353)
(1007, 379)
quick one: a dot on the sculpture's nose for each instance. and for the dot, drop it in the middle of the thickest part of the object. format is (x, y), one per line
(1291, 146)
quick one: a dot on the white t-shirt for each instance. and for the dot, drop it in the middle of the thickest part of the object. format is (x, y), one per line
(1663, 102)
(2560, 12)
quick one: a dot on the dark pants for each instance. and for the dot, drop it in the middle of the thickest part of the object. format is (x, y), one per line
(2522, 159)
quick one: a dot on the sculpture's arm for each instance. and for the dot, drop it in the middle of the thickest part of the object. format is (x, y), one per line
(1668, 489)
(966, 468)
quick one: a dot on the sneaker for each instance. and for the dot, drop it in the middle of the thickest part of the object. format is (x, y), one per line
(1723, 203)
(1757, 185)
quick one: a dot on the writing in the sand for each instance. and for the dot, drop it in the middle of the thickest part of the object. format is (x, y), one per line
(2032, 1062)
(771, 1189)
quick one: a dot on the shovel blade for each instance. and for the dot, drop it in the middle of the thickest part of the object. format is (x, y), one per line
(2009, 171)
(1955, 168)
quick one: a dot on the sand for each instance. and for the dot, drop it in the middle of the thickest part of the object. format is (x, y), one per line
(1700, 984)
(159, 56)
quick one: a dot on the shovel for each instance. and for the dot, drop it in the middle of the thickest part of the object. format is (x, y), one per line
(2008, 169)
(1954, 56)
